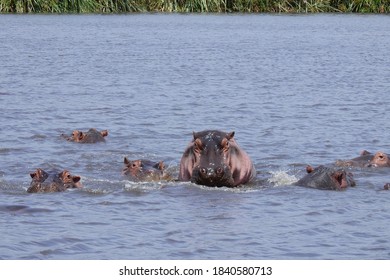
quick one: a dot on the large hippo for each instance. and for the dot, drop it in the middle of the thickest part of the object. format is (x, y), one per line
(91, 136)
(145, 170)
(213, 158)
(366, 159)
(326, 178)
(53, 181)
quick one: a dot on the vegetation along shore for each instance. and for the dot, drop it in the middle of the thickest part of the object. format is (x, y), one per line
(194, 6)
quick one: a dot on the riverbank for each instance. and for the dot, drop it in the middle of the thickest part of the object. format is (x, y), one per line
(195, 6)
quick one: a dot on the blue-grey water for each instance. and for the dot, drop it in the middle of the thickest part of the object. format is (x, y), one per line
(296, 90)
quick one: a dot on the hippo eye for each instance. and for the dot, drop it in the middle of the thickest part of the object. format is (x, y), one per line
(66, 175)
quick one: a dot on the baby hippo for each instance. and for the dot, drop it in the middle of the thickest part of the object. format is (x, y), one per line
(326, 178)
(54, 181)
(366, 159)
(145, 170)
(91, 136)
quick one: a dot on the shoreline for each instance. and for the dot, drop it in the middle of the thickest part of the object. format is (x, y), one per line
(194, 6)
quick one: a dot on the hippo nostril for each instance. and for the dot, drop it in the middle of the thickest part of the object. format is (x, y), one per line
(219, 170)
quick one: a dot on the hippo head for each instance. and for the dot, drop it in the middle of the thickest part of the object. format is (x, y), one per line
(329, 178)
(91, 136)
(211, 151)
(145, 169)
(69, 181)
(77, 136)
(104, 133)
(132, 167)
(53, 181)
(380, 159)
(39, 175)
(38, 178)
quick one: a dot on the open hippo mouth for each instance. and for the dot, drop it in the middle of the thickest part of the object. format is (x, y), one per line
(343, 179)
(340, 179)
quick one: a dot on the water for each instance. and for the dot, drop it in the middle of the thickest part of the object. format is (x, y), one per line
(296, 90)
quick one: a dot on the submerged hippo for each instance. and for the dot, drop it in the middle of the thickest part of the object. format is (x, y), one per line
(213, 158)
(91, 136)
(366, 159)
(145, 170)
(55, 181)
(326, 178)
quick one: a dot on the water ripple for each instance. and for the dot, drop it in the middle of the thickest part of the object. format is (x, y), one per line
(289, 107)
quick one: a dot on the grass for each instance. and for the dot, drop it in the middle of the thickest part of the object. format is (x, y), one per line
(194, 6)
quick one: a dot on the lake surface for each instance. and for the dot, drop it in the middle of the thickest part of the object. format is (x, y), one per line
(297, 90)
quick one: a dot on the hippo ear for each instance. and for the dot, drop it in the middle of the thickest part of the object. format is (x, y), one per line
(104, 133)
(230, 135)
(160, 165)
(309, 169)
(364, 153)
(37, 174)
(126, 161)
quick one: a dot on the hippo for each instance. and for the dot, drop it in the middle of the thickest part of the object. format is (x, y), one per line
(366, 159)
(91, 136)
(213, 158)
(54, 181)
(145, 170)
(326, 178)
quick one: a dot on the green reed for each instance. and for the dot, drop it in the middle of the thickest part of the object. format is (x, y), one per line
(194, 6)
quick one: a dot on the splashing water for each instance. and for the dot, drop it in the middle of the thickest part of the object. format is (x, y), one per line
(281, 178)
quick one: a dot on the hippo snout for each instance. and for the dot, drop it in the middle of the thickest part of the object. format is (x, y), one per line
(211, 172)
(213, 176)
